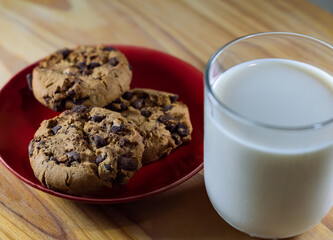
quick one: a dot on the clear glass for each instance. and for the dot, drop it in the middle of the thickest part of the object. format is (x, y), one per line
(267, 180)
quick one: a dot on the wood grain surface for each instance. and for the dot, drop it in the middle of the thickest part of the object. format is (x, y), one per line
(190, 30)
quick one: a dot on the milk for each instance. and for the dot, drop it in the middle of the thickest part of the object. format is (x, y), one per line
(264, 174)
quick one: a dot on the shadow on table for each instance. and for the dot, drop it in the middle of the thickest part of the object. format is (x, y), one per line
(184, 212)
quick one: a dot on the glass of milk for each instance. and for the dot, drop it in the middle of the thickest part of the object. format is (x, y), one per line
(268, 141)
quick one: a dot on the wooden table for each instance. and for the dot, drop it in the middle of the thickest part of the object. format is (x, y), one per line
(190, 30)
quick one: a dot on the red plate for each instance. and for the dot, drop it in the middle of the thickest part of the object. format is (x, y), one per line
(21, 115)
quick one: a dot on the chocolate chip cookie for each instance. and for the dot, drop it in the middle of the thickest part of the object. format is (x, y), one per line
(83, 150)
(88, 75)
(162, 121)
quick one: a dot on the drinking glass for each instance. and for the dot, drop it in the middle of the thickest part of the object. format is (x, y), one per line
(267, 180)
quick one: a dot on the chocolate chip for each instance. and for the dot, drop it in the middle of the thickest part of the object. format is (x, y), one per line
(107, 166)
(127, 95)
(118, 107)
(97, 118)
(100, 158)
(145, 113)
(69, 83)
(52, 123)
(167, 108)
(81, 65)
(73, 156)
(171, 128)
(117, 129)
(54, 159)
(123, 142)
(79, 109)
(65, 53)
(58, 90)
(138, 103)
(117, 100)
(93, 65)
(182, 130)
(99, 141)
(165, 118)
(127, 163)
(31, 147)
(113, 61)
(71, 95)
(47, 99)
(70, 163)
(130, 67)
(144, 95)
(59, 105)
(29, 80)
(104, 127)
(80, 100)
(56, 129)
(109, 48)
(173, 98)
(123, 107)
(176, 137)
(40, 144)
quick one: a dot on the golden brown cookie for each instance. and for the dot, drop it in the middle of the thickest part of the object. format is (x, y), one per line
(162, 121)
(81, 151)
(88, 75)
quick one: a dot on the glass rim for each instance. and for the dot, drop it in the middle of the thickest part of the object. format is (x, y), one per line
(243, 118)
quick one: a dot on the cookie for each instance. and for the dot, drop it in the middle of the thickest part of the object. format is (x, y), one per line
(162, 121)
(88, 75)
(82, 151)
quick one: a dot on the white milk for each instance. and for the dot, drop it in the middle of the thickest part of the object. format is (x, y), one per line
(270, 183)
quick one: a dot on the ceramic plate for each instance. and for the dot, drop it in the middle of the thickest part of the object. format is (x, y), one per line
(21, 115)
